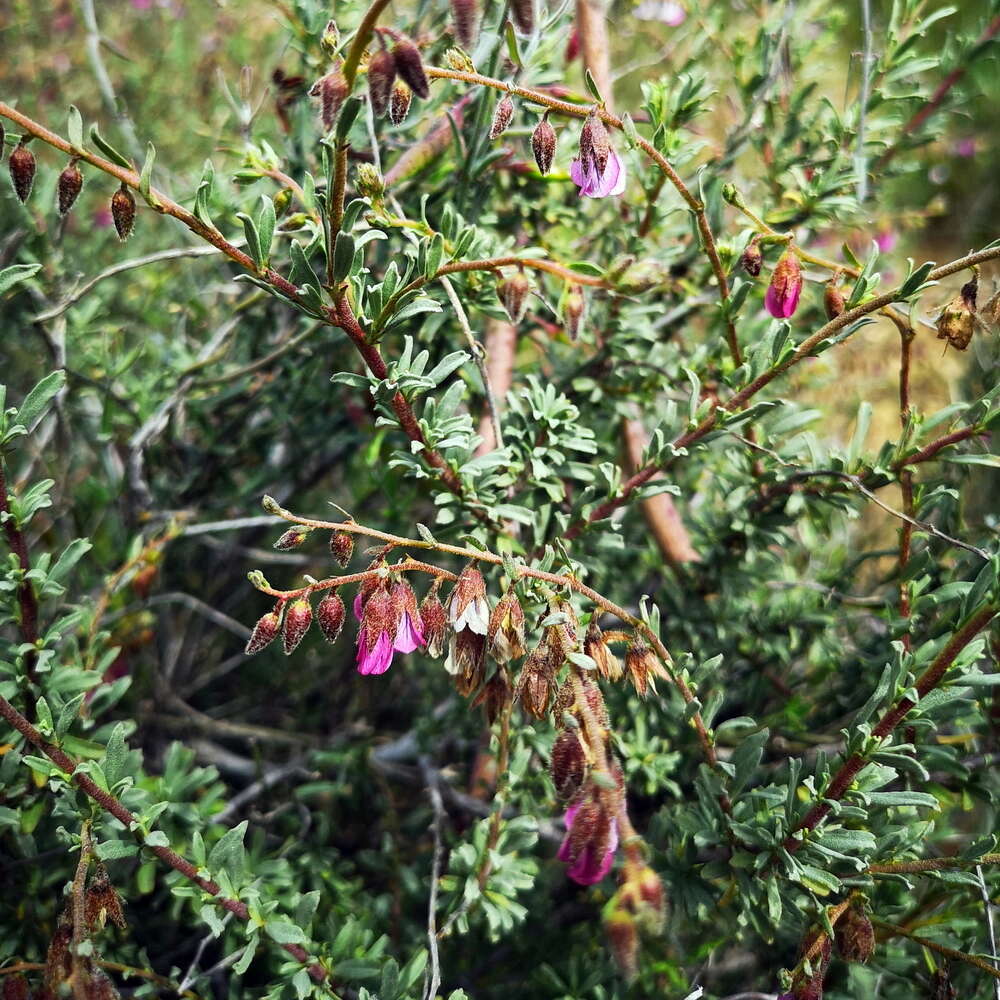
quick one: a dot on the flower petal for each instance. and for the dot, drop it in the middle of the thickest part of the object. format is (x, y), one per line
(408, 636)
(377, 659)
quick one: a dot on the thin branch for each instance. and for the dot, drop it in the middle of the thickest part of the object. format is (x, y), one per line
(434, 975)
(953, 953)
(984, 895)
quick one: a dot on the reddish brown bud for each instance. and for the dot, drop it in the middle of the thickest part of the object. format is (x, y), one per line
(341, 547)
(506, 629)
(15, 987)
(435, 622)
(543, 145)
(957, 321)
(69, 186)
(381, 75)
(513, 292)
(331, 90)
(594, 646)
(123, 212)
(752, 259)
(833, 298)
(534, 684)
(523, 13)
(568, 765)
(410, 67)
(652, 900)
(595, 145)
(594, 704)
(641, 664)
(855, 935)
(623, 941)
(572, 46)
(573, 312)
(292, 539)
(399, 103)
(22, 170)
(58, 959)
(465, 22)
(263, 633)
(502, 116)
(330, 613)
(298, 618)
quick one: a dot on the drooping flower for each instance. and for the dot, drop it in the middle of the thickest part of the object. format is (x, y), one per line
(593, 184)
(377, 632)
(886, 240)
(782, 298)
(409, 630)
(957, 321)
(435, 622)
(506, 629)
(469, 614)
(590, 842)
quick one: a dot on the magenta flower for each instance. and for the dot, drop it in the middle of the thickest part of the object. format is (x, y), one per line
(592, 183)
(377, 633)
(409, 628)
(965, 147)
(590, 843)
(782, 298)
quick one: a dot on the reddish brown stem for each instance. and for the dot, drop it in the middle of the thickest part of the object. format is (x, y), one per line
(929, 451)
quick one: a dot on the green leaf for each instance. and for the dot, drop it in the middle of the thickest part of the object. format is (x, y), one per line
(68, 714)
(343, 256)
(116, 756)
(253, 239)
(243, 963)
(74, 127)
(10, 276)
(145, 176)
(266, 222)
(229, 854)
(108, 150)
(37, 401)
(591, 83)
(285, 932)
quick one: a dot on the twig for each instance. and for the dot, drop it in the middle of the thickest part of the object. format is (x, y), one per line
(930, 865)
(960, 956)
(79, 905)
(273, 776)
(984, 894)
(192, 975)
(433, 980)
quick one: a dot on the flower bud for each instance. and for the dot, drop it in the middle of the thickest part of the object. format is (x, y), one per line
(568, 765)
(292, 539)
(595, 145)
(465, 22)
(263, 633)
(523, 13)
(573, 311)
(399, 103)
(332, 91)
(855, 935)
(22, 170)
(505, 631)
(410, 67)
(294, 222)
(330, 39)
(623, 941)
(782, 298)
(123, 212)
(833, 298)
(502, 116)
(341, 548)
(751, 259)
(957, 321)
(69, 186)
(298, 618)
(457, 60)
(370, 183)
(15, 987)
(513, 293)
(543, 144)
(594, 646)
(435, 620)
(330, 613)
(381, 75)
(652, 900)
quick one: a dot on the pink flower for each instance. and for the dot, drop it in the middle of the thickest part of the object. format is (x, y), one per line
(886, 241)
(390, 623)
(409, 628)
(782, 298)
(593, 184)
(965, 147)
(375, 658)
(666, 11)
(590, 843)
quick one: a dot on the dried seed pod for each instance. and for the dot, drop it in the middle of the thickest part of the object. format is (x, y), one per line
(399, 103)
(465, 22)
(102, 902)
(751, 260)
(573, 311)
(505, 631)
(410, 67)
(568, 765)
(123, 212)
(291, 539)
(298, 618)
(59, 959)
(833, 298)
(342, 547)
(513, 293)
(330, 613)
(494, 695)
(595, 145)
(543, 144)
(957, 321)
(381, 76)
(523, 13)
(435, 622)
(332, 90)
(502, 116)
(15, 987)
(608, 665)
(263, 632)
(534, 684)
(22, 170)
(69, 186)
(855, 935)
(641, 664)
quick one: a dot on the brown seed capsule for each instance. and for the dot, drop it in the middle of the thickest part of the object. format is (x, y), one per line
(69, 186)
(623, 941)
(957, 321)
(641, 664)
(573, 311)
(59, 959)
(855, 935)
(833, 299)
(22, 170)
(752, 259)
(100, 987)
(494, 695)
(341, 547)
(410, 67)
(435, 621)
(595, 145)
(399, 103)
(505, 631)
(330, 613)
(513, 293)
(263, 633)
(123, 212)
(467, 661)
(568, 765)
(102, 902)
(534, 684)
(15, 987)
(332, 90)
(543, 145)
(523, 13)
(465, 22)
(594, 646)
(291, 539)
(298, 618)
(381, 75)
(502, 116)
